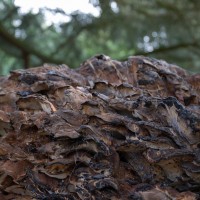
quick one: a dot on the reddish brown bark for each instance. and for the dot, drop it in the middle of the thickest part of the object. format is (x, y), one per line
(108, 130)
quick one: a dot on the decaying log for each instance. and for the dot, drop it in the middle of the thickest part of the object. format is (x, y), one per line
(108, 130)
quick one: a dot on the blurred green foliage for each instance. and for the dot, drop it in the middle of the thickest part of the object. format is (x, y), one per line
(168, 30)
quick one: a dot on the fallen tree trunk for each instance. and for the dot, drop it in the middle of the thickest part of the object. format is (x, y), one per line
(108, 130)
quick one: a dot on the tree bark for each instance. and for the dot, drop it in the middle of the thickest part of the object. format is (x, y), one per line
(108, 130)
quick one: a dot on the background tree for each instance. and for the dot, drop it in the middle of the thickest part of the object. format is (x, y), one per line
(162, 29)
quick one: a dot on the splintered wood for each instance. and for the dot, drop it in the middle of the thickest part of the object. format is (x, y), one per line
(108, 130)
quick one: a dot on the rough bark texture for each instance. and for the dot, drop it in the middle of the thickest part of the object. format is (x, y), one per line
(108, 130)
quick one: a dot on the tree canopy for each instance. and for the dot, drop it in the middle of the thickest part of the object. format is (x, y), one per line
(166, 30)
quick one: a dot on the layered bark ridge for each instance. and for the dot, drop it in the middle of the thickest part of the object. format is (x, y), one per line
(108, 130)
